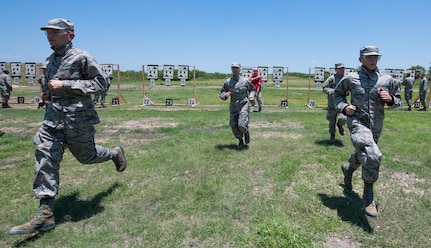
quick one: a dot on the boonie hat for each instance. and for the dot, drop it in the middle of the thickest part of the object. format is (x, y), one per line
(59, 24)
(236, 64)
(369, 50)
(339, 65)
(6, 70)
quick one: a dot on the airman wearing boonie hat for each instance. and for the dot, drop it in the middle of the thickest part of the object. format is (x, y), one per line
(369, 92)
(72, 76)
(334, 118)
(59, 24)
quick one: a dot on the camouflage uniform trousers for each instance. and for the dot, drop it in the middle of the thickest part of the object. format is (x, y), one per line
(331, 116)
(50, 144)
(423, 100)
(239, 121)
(408, 93)
(5, 93)
(103, 94)
(366, 153)
(258, 99)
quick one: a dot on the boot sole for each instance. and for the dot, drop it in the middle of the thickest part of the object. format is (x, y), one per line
(43, 228)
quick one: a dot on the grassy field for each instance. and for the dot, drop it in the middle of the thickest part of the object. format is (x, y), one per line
(186, 184)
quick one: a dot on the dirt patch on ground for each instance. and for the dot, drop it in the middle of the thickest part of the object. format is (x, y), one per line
(408, 181)
(336, 242)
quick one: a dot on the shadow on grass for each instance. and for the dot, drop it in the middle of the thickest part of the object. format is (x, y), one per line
(327, 142)
(70, 208)
(349, 208)
(230, 147)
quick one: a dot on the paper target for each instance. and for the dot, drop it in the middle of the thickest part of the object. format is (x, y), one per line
(277, 74)
(183, 72)
(107, 69)
(15, 69)
(246, 72)
(168, 71)
(319, 74)
(399, 74)
(263, 71)
(412, 73)
(153, 71)
(348, 70)
(30, 70)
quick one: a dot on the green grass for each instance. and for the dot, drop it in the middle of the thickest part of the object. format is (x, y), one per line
(187, 186)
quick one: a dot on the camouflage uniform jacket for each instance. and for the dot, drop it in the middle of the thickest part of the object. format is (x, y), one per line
(364, 91)
(408, 83)
(72, 105)
(329, 87)
(240, 90)
(423, 87)
(5, 82)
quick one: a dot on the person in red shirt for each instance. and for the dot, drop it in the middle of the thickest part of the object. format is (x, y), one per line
(256, 80)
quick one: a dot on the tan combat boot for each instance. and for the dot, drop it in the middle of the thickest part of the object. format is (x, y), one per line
(370, 205)
(120, 159)
(371, 209)
(43, 221)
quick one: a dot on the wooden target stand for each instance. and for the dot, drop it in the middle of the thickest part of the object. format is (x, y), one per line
(169, 102)
(277, 77)
(319, 77)
(116, 100)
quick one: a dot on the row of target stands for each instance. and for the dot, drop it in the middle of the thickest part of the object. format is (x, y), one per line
(319, 79)
(33, 70)
(278, 74)
(168, 76)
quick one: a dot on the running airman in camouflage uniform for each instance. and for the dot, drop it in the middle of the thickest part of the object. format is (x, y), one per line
(332, 115)
(240, 89)
(72, 76)
(423, 88)
(408, 89)
(370, 92)
(5, 87)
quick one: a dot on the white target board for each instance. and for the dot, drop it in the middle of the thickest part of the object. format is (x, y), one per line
(319, 74)
(348, 70)
(247, 72)
(2, 66)
(412, 73)
(399, 74)
(108, 70)
(277, 74)
(153, 71)
(15, 69)
(390, 72)
(263, 72)
(183, 72)
(168, 71)
(30, 70)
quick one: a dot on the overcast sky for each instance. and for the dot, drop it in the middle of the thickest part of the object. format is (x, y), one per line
(210, 34)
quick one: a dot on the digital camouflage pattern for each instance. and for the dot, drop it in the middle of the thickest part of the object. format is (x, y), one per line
(241, 89)
(331, 115)
(69, 117)
(5, 87)
(408, 89)
(366, 124)
(423, 88)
